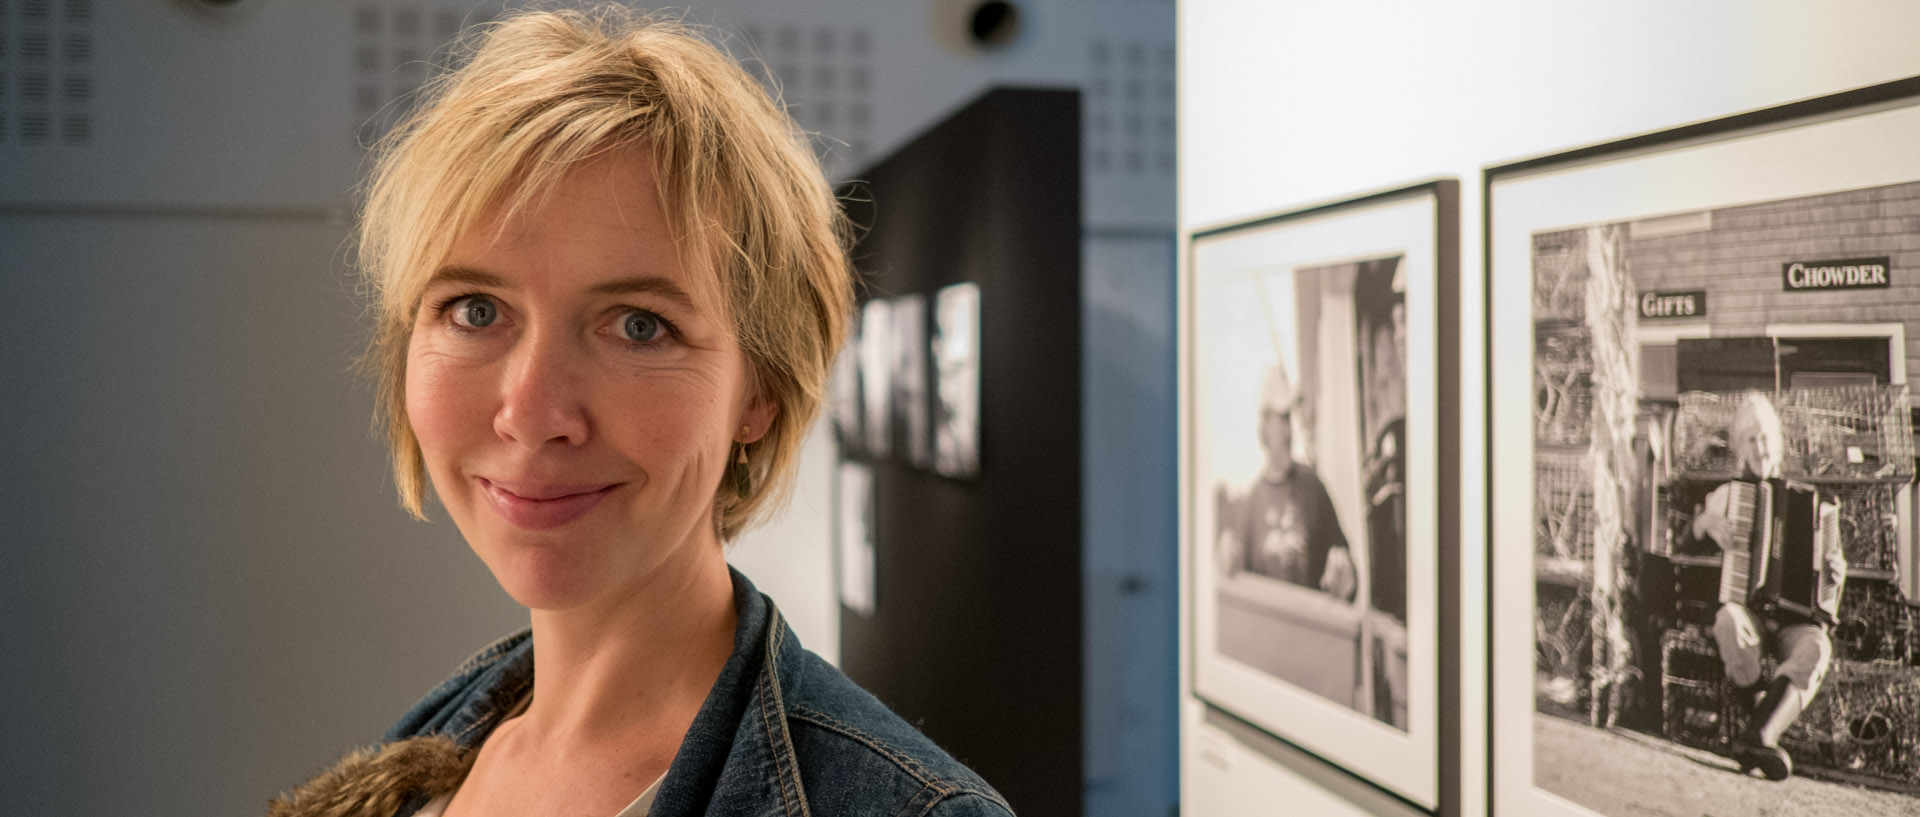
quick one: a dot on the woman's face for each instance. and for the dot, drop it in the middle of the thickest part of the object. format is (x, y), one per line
(575, 405)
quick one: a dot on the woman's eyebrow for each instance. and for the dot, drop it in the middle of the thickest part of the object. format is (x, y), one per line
(471, 276)
(649, 284)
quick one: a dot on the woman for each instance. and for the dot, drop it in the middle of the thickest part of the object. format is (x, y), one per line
(610, 282)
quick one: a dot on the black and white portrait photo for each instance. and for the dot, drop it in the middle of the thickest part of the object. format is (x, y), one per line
(1311, 525)
(1719, 554)
(1323, 505)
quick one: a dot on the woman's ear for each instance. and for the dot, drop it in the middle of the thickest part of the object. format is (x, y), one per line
(757, 420)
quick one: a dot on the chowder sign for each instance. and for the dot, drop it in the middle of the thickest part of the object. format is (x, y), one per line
(1851, 273)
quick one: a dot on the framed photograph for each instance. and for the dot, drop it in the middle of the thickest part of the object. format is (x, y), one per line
(1313, 344)
(1701, 460)
(956, 363)
(853, 537)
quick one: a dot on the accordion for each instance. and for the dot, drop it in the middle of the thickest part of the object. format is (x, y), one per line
(1778, 536)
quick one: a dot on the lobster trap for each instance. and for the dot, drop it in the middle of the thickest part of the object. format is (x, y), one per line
(1562, 382)
(1875, 624)
(1865, 721)
(1563, 506)
(1863, 725)
(1869, 539)
(1850, 434)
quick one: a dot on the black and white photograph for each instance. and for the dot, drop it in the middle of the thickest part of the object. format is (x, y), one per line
(853, 536)
(908, 349)
(956, 363)
(1312, 497)
(877, 363)
(1323, 503)
(1703, 551)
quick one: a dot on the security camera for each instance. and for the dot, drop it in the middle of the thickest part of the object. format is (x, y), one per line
(974, 26)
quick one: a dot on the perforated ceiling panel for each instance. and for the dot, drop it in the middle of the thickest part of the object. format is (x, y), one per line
(1128, 113)
(396, 47)
(1129, 106)
(166, 103)
(46, 72)
(825, 76)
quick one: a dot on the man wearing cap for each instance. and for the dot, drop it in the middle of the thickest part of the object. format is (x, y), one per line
(1286, 527)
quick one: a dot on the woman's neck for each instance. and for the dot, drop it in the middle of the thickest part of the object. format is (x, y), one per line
(640, 665)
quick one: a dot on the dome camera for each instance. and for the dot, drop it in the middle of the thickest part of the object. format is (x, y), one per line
(975, 26)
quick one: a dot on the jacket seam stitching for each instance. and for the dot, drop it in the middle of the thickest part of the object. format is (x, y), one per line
(921, 774)
(939, 793)
(777, 739)
(520, 690)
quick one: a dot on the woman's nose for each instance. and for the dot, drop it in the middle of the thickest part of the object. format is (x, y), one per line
(540, 396)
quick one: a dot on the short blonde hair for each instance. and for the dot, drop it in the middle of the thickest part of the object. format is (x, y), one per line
(1756, 415)
(542, 92)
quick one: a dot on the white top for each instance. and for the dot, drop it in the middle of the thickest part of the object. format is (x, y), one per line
(637, 808)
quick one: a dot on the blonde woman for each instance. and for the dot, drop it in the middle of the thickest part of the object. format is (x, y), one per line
(610, 281)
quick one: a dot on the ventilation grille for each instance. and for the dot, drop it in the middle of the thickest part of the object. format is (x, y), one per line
(396, 48)
(46, 72)
(825, 77)
(1129, 105)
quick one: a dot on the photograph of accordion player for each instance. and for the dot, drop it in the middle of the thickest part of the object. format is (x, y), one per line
(1782, 573)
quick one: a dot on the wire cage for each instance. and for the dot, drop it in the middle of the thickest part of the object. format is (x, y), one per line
(1864, 721)
(1846, 434)
(1563, 507)
(1562, 382)
(1693, 701)
(1563, 648)
(1863, 725)
(1560, 273)
(1875, 624)
(1869, 539)
(1869, 530)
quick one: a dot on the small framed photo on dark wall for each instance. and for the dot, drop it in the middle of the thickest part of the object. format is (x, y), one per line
(1313, 345)
(1701, 468)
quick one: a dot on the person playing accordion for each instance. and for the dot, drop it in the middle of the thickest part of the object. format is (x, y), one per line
(1782, 574)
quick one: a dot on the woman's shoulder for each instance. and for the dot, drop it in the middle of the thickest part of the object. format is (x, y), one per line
(856, 756)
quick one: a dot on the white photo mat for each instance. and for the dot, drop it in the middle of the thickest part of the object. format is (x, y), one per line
(1404, 762)
(1867, 147)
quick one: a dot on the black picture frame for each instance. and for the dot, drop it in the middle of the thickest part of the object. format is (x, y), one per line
(1308, 288)
(1643, 285)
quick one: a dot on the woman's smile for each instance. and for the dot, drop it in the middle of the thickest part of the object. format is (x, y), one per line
(536, 506)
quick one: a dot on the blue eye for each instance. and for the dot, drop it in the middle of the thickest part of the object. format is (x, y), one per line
(641, 326)
(474, 312)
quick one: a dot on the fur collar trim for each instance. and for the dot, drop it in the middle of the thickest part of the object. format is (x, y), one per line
(377, 782)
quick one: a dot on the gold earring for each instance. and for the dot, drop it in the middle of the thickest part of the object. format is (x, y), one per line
(742, 478)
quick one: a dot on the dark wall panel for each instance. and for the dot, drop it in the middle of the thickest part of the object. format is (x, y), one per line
(976, 636)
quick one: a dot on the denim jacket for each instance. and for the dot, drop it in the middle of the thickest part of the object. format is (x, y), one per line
(782, 732)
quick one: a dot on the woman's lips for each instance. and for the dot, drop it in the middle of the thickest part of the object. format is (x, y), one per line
(541, 507)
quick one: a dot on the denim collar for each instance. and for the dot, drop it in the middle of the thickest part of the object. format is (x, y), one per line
(736, 758)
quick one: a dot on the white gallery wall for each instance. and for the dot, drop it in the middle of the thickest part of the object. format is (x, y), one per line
(1286, 104)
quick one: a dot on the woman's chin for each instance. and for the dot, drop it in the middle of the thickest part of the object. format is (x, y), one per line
(552, 594)
(548, 579)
